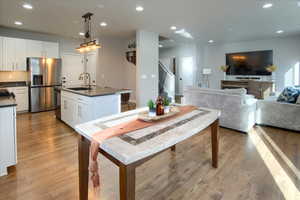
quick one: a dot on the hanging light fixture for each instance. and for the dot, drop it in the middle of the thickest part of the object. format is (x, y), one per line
(89, 44)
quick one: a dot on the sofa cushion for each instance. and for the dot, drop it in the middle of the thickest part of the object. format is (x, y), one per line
(238, 91)
(289, 95)
(298, 100)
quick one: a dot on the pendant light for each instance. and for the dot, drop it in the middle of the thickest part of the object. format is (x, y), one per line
(89, 44)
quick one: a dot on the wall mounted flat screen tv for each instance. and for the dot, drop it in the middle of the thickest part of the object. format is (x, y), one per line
(249, 63)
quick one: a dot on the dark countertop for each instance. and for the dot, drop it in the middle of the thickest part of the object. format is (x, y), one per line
(13, 84)
(7, 102)
(98, 91)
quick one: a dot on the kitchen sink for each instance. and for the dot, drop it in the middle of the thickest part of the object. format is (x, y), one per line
(79, 88)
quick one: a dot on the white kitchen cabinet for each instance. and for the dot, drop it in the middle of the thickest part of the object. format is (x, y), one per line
(42, 49)
(77, 109)
(8, 144)
(9, 54)
(68, 106)
(34, 48)
(82, 112)
(14, 54)
(21, 96)
(20, 55)
(74, 110)
(14, 51)
(50, 50)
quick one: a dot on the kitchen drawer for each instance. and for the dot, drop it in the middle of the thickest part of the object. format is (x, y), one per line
(18, 89)
(77, 97)
(8, 144)
(21, 96)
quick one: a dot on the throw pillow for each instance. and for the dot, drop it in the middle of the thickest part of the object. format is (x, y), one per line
(289, 95)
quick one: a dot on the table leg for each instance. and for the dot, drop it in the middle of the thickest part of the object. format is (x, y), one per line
(215, 143)
(127, 182)
(83, 157)
(173, 148)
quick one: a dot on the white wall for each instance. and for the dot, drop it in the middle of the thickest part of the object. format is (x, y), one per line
(113, 70)
(286, 52)
(146, 67)
(130, 82)
(179, 52)
(111, 61)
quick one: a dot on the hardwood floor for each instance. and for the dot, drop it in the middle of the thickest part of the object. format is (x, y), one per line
(264, 164)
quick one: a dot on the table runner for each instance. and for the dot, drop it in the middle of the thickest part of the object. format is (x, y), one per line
(118, 130)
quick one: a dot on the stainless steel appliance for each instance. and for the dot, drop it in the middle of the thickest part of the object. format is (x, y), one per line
(44, 76)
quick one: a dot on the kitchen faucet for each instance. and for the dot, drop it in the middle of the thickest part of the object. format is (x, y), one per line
(85, 76)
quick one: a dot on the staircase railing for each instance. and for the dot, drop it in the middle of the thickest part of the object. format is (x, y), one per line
(166, 69)
(166, 82)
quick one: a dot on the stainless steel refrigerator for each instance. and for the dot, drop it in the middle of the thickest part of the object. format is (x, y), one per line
(44, 76)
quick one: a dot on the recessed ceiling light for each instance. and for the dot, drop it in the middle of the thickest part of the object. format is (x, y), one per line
(18, 23)
(27, 6)
(139, 8)
(210, 41)
(279, 31)
(103, 24)
(267, 5)
(81, 33)
(160, 46)
(298, 3)
(173, 28)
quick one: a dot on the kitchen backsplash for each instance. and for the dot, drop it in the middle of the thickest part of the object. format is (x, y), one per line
(13, 76)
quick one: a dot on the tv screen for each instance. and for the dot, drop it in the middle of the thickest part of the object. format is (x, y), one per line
(249, 63)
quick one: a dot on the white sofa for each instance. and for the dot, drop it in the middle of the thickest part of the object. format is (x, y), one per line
(237, 108)
(278, 114)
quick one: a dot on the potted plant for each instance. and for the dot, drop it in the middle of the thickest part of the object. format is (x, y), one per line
(151, 106)
(166, 105)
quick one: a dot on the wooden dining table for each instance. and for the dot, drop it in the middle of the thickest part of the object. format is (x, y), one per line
(130, 150)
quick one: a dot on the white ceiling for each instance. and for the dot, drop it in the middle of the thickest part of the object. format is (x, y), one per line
(220, 20)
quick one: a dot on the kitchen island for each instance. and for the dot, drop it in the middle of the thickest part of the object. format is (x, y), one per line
(8, 138)
(83, 104)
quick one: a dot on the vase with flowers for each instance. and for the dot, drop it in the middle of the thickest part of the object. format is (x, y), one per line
(224, 69)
